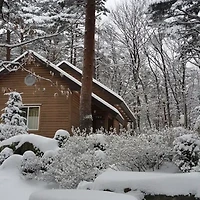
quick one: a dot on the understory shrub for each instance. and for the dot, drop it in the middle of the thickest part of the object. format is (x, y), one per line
(186, 152)
(61, 136)
(83, 157)
(4, 154)
(7, 131)
(76, 161)
(31, 165)
(139, 153)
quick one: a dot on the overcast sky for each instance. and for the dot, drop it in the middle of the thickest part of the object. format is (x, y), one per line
(112, 3)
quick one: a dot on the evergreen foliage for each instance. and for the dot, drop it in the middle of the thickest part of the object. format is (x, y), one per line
(182, 17)
(13, 122)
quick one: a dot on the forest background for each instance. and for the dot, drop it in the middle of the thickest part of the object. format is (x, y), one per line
(147, 53)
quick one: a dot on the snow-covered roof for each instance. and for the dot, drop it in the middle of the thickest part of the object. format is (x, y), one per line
(68, 76)
(124, 105)
(94, 80)
(6, 67)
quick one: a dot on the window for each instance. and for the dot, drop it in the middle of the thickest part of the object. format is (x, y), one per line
(31, 113)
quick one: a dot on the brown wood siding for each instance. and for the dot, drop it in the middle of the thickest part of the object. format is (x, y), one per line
(54, 106)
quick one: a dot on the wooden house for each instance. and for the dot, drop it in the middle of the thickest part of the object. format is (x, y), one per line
(51, 95)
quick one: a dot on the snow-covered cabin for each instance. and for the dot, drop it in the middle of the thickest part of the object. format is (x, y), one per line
(51, 95)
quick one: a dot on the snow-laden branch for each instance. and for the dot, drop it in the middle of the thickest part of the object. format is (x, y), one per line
(11, 46)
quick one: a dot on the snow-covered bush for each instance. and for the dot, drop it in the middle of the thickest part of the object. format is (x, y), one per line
(195, 118)
(14, 123)
(47, 160)
(61, 136)
(99, 141)
(29, 142)
(31, 165)
(75, 162)
(169, 134)
(140, 153)
(186, 151)
(5, 153)
(7, 131)
(196, 168)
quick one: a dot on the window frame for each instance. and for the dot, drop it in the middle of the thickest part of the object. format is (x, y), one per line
(28, 106)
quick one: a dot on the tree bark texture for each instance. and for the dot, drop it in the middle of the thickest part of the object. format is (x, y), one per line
(88, 67)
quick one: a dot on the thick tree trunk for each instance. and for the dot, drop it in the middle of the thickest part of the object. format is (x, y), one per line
(88, 67)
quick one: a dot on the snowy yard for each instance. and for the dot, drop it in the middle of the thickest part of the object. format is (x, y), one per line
(75, 164)
(13, 185)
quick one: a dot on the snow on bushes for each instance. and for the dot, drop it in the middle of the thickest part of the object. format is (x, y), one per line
(61, 136)
(186, 152)
(83, 158)
(137, 153)
(14, 123)
(75, 162)
(36, 143)
(31, 165)
(5, 153)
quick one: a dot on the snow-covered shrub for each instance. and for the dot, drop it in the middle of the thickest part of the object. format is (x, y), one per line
(196, 168)
(186, 151)
(75, 162)
(195, 118)
(61, 136)
(170, 134)
(133, 153)
(14, 123)
(29, 142)
(47, 160)
(99, 141)
(7, 131)
(5, 153)
(31, 165)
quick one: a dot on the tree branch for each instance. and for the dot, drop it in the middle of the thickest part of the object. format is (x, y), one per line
(11, 46)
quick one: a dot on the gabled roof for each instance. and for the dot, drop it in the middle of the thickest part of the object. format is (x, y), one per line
(119, 100)
(77, 83)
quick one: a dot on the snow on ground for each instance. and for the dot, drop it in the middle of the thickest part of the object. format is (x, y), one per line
(78, 195)
(12, 185)
(149, 182)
